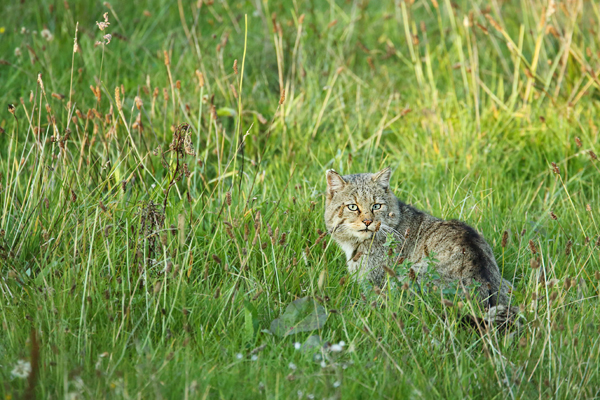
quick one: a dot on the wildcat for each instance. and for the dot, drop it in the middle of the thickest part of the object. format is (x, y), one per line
(361, 211)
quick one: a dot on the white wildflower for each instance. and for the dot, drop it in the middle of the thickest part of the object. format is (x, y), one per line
(336, 348)
(323, 364)
(337, 384)
(292, 366)
(297, 345)
(254, 357)
(17, 52)
(21, 370)
(46, 34)
(102, 25)
(239, 356)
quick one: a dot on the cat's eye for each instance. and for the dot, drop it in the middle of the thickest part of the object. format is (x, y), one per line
(352, 207)
(376, 206)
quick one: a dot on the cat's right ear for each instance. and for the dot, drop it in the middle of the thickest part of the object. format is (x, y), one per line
(335, 182)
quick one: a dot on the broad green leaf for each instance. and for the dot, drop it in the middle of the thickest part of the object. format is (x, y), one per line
(302, 315)
(226, 112)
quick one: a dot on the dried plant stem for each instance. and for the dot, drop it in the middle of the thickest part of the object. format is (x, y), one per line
(325, 102)
(239, 119)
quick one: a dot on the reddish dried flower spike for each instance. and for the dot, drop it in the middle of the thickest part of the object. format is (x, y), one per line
(532, 247)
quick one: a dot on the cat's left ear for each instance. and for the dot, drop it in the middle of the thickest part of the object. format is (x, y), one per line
(335, 182)
(383, 178)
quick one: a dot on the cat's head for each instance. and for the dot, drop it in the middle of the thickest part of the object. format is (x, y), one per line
(360, 206)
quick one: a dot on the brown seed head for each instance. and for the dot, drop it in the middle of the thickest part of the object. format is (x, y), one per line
(494, 23)
(235, 95)
(200, 77)
(157, 287)
(555, 168)
(235, 67)
(389, 271)
(166, 57)
(282, 240)
(41, 83)
(228, 198)
(282, 98)
(118, 99)
(553, 216)
(504, 239)
(532, 247)
(216, 259)
(257, 220)
(377, 226)
(588, 208)
(568, 248)
(578, 141)
(534, 263)
(412, 274)
(593, 155)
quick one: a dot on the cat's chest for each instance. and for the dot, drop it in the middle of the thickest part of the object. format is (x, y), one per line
(348, 249)
(354, 252)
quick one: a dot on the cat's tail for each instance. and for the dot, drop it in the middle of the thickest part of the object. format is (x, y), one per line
(504, 316)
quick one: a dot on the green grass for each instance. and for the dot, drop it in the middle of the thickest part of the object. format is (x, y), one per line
(109, 301)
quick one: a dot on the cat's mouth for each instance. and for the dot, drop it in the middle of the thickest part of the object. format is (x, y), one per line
(365, 233)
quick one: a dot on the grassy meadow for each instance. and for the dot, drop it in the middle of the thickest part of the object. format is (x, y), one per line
(162, 195)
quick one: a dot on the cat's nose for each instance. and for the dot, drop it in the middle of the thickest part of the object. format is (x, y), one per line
(367, 222)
